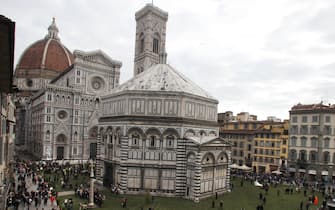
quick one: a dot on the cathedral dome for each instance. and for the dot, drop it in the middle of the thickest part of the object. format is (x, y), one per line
(163, 77)
(46, 54)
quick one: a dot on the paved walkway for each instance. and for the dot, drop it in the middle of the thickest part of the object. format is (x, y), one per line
(49, 206)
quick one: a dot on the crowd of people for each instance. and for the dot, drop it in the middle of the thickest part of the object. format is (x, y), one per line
(25, 175)
(293, 185)
(33, 185)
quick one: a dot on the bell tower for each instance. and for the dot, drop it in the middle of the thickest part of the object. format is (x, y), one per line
(150, 37)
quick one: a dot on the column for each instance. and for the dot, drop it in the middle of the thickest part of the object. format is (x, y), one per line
(197, 177)
(123, 163)
(91, 198)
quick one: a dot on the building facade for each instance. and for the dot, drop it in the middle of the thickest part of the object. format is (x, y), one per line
(158, 133)
(64, 115)
(239, 131)
(312, 146)
(251, 141)
(40, 63)
(270, 147)
(58, 99)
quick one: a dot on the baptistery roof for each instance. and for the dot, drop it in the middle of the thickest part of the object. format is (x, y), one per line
(163, 77)
(47, 54)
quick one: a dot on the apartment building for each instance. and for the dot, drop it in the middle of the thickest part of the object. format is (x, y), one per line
(312, 145)
(270, 147)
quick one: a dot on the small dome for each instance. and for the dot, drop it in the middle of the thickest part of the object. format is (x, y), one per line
(46, 54)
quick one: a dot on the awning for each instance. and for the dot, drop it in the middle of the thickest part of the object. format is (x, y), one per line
(312, 172)
(324, 173)
(302, 170)
(292, 170)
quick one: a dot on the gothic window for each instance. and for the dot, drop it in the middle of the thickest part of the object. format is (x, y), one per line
(49, 97)
(78, 73)
(67, 82)
(48, 119)
(48, 110)
(155, 45)
(141, 43)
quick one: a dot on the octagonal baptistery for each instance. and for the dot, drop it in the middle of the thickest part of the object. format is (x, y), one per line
(159, 133)
(41, 62)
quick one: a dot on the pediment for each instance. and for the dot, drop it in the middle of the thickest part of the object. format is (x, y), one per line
(216, 142)
(98, 57)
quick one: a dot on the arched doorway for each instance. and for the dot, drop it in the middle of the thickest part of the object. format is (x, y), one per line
(60, 149)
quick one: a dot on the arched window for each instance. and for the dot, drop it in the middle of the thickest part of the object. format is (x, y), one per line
(47, 136)
(152, 141)
(135, 139)
(303, 155)
(303, 141)
(155, 44)
(169, 141)
(293, 155)
(293, 141)
(314, 142)
(76, 136)
(326, 143)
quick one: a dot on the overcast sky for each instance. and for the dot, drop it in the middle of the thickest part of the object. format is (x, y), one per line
(259, 56)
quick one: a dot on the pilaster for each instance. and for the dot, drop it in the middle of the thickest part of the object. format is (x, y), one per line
(123, 163)
(197, 177)
(181, 168)
(99, 172)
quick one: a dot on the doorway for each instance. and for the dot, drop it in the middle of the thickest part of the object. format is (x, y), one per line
(60, 153)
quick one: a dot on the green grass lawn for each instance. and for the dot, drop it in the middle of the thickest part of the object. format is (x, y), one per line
(74, 181)
(246, 197)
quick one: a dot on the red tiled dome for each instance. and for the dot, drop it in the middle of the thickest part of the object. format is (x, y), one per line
(46, 54)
